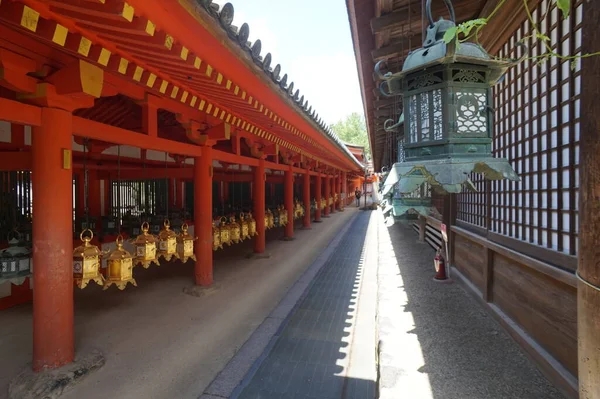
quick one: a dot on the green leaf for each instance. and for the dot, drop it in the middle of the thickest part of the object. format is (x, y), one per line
(450, 34)
(564, 6)
(542, 37)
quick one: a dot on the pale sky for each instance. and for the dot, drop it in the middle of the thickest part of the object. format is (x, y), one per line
(312, 42)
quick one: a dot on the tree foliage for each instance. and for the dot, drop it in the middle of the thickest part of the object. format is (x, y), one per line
(353, 130)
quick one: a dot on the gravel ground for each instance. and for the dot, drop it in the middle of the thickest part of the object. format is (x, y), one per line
(435, 340)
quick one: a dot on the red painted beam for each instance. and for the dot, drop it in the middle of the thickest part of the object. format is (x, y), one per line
(99, 131)
(13, 160)
(14, 111)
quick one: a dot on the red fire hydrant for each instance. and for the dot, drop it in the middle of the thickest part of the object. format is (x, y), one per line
(440, 266)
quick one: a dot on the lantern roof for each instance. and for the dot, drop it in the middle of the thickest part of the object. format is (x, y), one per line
(451, 174)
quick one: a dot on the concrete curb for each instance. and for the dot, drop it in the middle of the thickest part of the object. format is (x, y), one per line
(241, 368)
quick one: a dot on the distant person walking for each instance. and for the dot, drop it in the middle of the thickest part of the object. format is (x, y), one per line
(357, 194)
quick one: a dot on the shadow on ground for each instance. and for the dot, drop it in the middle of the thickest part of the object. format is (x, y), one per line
(310, 354)
(466, 353)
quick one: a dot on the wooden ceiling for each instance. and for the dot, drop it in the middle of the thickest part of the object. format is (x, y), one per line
(388, 30)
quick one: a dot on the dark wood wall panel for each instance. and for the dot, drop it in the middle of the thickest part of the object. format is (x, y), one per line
(544, 307)
(469, 259)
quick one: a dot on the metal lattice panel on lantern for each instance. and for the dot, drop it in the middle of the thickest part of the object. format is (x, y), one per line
(447, 111)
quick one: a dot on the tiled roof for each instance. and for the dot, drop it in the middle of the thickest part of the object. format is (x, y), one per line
(224, 15)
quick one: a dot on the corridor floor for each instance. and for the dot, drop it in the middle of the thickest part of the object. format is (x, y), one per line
(375, 286)
(319, 344)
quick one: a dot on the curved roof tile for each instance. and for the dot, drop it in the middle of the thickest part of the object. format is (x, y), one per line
(225, 16)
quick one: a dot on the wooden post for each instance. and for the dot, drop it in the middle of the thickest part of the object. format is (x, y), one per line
(588, 291)
(449, 219)
(318, 198)
(306, 199)
(259, 206)
(422, 228)
(53, 343)
(203, 175)
(288, 199)
(344, 190)
(327, 194)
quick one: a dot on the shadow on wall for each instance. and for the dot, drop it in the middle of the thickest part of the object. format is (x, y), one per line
(310, 357)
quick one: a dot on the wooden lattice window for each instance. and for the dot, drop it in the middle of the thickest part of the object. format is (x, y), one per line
(537, 128)
(472, 205)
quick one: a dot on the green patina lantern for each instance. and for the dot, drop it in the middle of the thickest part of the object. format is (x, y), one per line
(448, 112)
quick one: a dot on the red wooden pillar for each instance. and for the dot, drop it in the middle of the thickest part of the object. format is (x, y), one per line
(344, 189)
(338, 190)
(306, 199)
(332, 193)
(318, 198)
(259, 206)
(53, 344)
(289, 202)
(327, 194)
(203, 175)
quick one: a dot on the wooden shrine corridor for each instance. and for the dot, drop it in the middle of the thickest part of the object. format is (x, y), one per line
(161, 343)
(374, 284)
(301, 326)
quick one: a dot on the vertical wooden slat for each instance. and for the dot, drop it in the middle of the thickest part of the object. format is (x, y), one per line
(588, 291)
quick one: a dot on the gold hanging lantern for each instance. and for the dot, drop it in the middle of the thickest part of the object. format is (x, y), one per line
(283, 219)
(298, 210)
(235, 230)
(216, 236)
(185, 245)
(251, 225)
(120, 267)
(145, 248)
(167, 242)
(245, 223)
(269, 219)
(86, 262)
(225, 232)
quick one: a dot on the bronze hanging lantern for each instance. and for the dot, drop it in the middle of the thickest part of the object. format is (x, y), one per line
(235, 230)
(86, 262)
(16, 259)
(245, 223)
(145, 248)
(225, 232)
(216, 231)
(447, 99)
(167, 242)
(283, 216)
(120, 267)
(251, 225)
(269, 219)
(185, 244)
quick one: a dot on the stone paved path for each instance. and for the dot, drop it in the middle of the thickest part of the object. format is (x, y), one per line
(327, 348)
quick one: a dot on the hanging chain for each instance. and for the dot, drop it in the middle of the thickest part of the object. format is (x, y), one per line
(86, 184)
(167, 185)
(119, 187)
